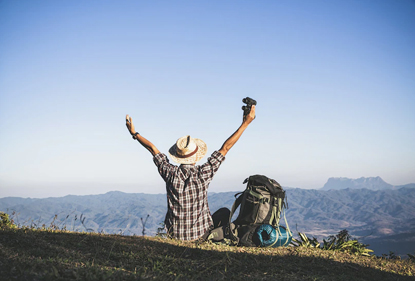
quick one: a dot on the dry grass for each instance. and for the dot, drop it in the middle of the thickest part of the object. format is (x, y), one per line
(59, 255)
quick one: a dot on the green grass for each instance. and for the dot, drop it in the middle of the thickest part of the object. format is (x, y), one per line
(27, 254)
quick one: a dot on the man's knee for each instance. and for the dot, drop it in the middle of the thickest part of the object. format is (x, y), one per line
(221, 217)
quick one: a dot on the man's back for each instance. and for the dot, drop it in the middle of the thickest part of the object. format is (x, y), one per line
(188, 216)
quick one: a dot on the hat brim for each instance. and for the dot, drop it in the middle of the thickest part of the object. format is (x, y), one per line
(201, 152)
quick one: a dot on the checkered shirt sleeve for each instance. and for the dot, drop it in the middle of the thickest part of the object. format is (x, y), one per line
(188, 215)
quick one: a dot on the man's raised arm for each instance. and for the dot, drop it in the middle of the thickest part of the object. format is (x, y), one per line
(235, 136)
(144, 142)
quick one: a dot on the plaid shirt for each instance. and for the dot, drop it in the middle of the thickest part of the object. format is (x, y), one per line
(188, 215)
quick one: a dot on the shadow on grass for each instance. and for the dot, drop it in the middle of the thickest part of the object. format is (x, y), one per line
(43, 255)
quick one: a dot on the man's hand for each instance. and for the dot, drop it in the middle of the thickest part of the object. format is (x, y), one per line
(129, 124)
(250, 117)
(144, 142)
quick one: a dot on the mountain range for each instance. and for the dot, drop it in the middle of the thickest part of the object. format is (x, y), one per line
(385, 217)
(372, 183)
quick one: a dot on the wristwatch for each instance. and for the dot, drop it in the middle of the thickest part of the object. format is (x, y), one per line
(135, 135)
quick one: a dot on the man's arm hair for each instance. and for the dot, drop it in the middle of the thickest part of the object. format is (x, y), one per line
(227, 145)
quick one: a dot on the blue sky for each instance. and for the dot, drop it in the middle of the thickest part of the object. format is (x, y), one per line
(334, 81)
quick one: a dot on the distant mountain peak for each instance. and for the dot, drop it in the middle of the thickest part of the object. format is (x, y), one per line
(372, 183)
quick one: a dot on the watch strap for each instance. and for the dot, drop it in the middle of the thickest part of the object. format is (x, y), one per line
(135, 135)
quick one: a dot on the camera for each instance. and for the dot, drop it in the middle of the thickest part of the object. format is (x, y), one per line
(249, 103)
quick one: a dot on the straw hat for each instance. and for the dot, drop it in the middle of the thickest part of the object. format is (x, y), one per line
(188, 150)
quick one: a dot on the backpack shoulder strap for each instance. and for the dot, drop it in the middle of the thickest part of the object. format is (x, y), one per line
(232, 232)
(236, 204)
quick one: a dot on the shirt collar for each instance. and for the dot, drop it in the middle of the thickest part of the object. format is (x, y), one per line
(187, 166)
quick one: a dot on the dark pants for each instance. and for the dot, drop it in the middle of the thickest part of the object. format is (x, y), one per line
(220, 218)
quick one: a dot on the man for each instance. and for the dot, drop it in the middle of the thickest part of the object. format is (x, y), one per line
(188, 216)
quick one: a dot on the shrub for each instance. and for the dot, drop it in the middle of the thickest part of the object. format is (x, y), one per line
(5, 221)
(341, 242)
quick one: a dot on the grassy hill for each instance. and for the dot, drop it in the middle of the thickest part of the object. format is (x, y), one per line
(27, 254)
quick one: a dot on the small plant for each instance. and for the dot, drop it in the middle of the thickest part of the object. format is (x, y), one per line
(5, 221)
(305, 241)
(143, 222)
(161, 231)
(340, 242)
(411, 257)
(342, 237)
(52, 225)
(344, 242)
(391, 256)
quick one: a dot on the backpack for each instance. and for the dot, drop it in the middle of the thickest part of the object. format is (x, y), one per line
(257, 223)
